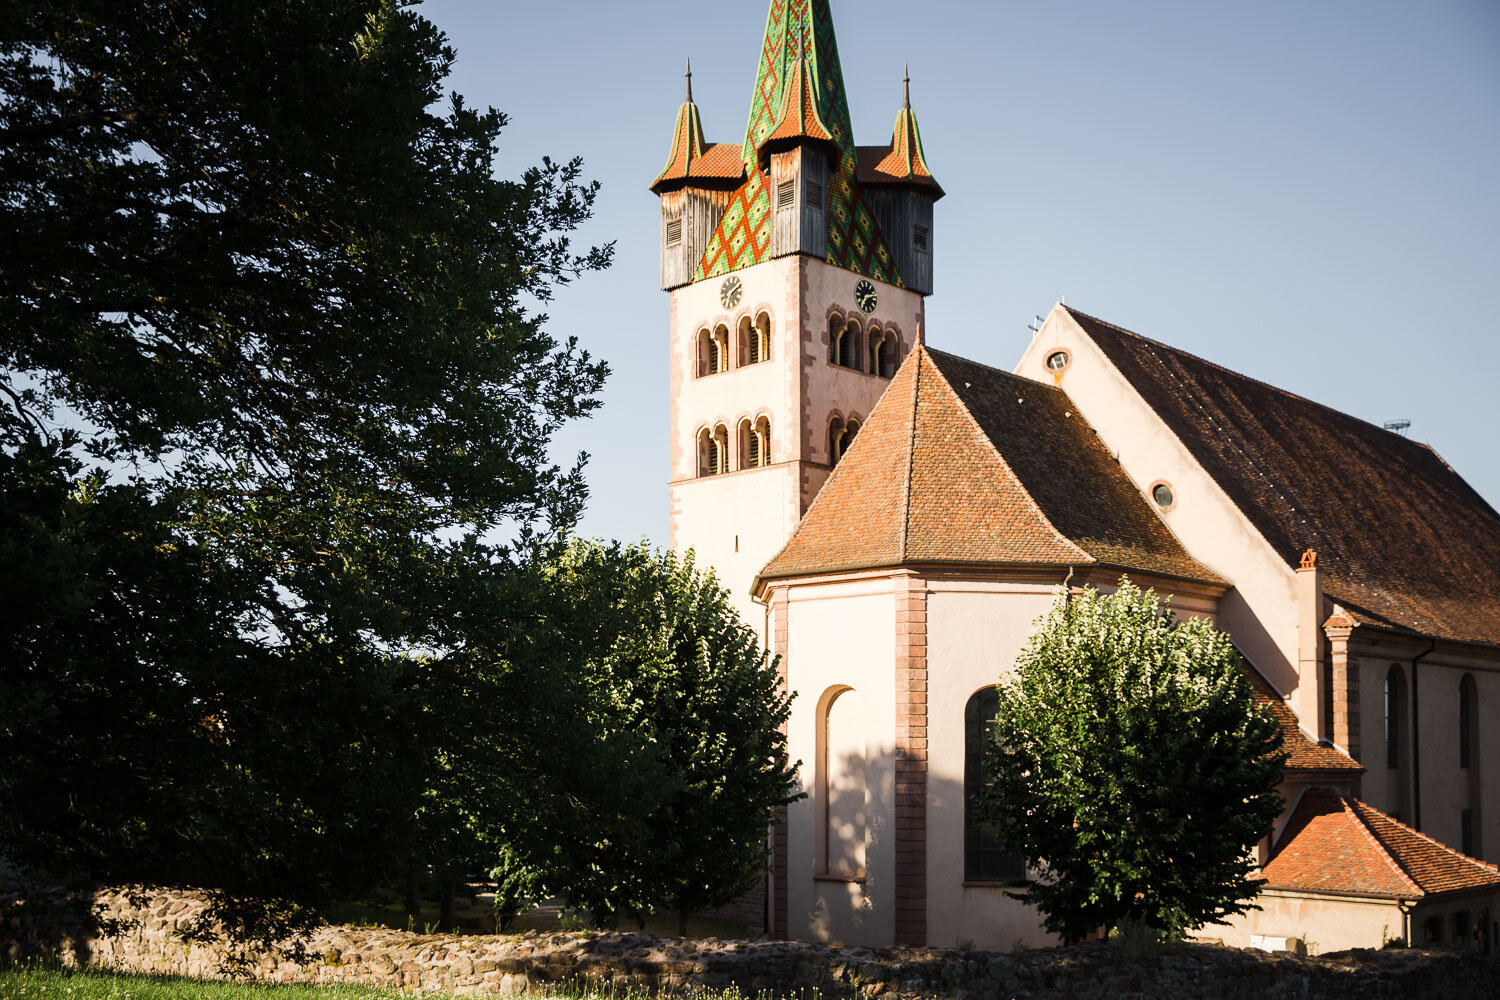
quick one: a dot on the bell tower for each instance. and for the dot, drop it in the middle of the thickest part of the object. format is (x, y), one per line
(797, 265)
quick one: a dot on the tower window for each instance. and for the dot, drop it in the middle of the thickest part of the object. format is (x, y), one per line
(840, 436)
(755, 443)
(786, 194)
(919, 237)
(883, 352)
(713, 451)
(1057, 361)
(674, 233)
(815, 195)
(755, 339)
(713, 351)
(843, 344)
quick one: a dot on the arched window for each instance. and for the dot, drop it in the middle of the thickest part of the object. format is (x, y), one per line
(835, 338)
(755, 340)
(1396, 743)
(840, 436)
(985, 858)
(1395, 717)
(841, 788)
(849, 347)
(713, 451)
(755, 443)
(713, 351)
(1470, 759)
(886, 357)
(1467, 704)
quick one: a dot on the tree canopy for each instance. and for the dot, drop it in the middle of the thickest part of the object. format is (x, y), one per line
(273, 373)
(1132, 768)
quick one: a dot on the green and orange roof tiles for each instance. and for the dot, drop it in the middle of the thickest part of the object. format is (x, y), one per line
(799, 94)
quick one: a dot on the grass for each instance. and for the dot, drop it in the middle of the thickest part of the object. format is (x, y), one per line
(46, 983)
(23, 983)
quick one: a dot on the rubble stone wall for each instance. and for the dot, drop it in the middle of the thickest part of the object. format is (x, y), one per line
(147, 938)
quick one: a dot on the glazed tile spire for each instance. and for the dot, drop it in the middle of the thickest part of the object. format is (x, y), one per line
(906, 159)
(687, 138)
(799, 118)
(743, 236)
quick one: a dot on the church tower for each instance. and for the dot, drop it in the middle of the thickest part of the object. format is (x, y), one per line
(797, 264)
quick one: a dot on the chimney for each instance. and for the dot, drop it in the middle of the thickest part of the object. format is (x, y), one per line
(1310, 699)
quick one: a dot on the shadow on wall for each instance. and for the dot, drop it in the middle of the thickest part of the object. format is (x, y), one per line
(46, 924)
(852, 800)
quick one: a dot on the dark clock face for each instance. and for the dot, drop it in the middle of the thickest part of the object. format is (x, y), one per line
(864, 294)
(730, 292)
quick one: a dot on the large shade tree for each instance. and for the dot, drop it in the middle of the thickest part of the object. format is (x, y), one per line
(1131, 766)
(272, 370)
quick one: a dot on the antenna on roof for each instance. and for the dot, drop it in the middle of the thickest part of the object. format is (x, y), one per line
(1035, 326)
(1398, 426)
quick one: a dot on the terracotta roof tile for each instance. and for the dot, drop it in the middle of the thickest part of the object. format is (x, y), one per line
(877, 167)
(964, 464)
(1405, 543)
(1432, 865)
(1332, 843)
(1303, 752)
(1325, 848)
(799, 118)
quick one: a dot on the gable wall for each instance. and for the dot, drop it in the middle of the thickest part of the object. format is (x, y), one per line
(1261, 612)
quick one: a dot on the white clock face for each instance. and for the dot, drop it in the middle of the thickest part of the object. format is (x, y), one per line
(730, 292)
(864, 294)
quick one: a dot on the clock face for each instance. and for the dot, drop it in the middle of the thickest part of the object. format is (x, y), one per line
(864, 294)
(730, 292)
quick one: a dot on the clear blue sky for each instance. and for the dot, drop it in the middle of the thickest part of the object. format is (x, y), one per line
(1302, 190)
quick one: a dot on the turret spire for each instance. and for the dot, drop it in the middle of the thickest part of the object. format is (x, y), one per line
(689, 98)
(906, 86)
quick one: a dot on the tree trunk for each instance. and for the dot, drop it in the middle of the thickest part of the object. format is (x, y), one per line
(413, 896)
(445, 914)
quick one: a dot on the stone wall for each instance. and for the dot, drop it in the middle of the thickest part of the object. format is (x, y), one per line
(42, 926)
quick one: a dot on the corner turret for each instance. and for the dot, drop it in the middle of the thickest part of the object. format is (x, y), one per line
(695, 187)
(902, 191)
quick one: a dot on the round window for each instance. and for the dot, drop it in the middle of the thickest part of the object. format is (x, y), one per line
(1162, 494)
(1058, 360)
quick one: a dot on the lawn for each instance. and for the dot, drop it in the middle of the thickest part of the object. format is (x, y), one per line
(20, 983)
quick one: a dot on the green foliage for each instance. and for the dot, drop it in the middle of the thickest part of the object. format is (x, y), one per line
(1132, 768)
(286, 310)
(680, 716)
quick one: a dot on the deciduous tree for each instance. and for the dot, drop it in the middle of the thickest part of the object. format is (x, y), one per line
(1132, 768)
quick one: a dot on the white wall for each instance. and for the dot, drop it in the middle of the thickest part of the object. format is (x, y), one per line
(843, 635)
(1261, 612)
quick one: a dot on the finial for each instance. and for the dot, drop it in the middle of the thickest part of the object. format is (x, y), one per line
(906, 83)
(1309, 560)
(689, 99)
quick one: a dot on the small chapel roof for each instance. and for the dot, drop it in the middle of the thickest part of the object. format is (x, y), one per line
(963, 464)
(1404, 542)
(1334, 843)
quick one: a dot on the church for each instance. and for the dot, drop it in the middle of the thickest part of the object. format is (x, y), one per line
(894, 518)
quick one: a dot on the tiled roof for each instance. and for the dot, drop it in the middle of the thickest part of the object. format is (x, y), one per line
(1332, 843)
(877, 166)
(799, 118)
(1303, 752)
(963, 464)
(903, 161)
(743, 236)
(1404, 542)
